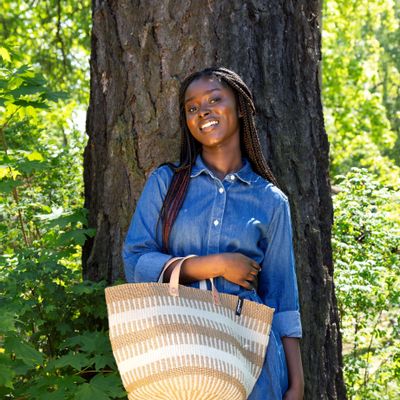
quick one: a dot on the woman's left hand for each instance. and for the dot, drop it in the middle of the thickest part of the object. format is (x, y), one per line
(293, 394)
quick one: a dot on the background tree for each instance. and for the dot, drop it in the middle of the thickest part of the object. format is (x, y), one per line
(140, 52)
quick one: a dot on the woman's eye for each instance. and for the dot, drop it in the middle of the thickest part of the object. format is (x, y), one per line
(214, 100)
(191, 109)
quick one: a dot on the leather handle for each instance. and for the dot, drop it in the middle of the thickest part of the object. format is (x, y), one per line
(175, 274)
(174, 281)
(166, 266)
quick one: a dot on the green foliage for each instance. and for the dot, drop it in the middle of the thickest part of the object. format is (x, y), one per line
(53, 330)
(361, 76)
(366, 244)
(54, 35)
(36, 175)
(53, 327)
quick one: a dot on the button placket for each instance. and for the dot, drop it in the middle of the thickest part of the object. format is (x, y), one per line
(217, 214)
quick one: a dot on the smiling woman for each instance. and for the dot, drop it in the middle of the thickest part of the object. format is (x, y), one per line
(205, 204)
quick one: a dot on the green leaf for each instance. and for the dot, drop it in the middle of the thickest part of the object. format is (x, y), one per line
(23, 351)
(53, 387)
(69, 382)
(90, 342)
(56, 395)
(4, 83)
(73, 359)
(110, 384)
(35, 80)
(7, 321)
(26, 90)
(21, 368)
(7, 185)
(102, 360)
(58, 217)
(22, 69)
(34, 156)
(6, 376)
(28, 103)
(4, 54)
(28, 166)
(88, 391)
(55, 96)
(88, 287)
(76, 236)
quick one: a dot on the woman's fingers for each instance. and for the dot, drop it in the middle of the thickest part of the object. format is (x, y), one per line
(254, 272)
(248, 285)
(256, 267)
(241, 270)
(252, 277)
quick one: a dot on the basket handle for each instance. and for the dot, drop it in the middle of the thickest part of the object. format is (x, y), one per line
(174, 281)
(166, 266)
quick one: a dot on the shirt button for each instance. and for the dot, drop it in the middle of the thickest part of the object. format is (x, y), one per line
(232, 177)
(221, 190)
(216, 222)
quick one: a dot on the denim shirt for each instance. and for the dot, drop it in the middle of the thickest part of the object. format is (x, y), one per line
(243, 213)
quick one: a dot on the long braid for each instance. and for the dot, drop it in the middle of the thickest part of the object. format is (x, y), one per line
(252, 146)
(190, 147)
(251, 141)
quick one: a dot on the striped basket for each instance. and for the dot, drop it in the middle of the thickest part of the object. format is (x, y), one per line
(180, 343)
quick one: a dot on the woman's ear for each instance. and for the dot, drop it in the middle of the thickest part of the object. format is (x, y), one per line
(239, 112)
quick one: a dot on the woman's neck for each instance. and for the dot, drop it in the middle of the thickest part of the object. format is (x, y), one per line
(221, 162)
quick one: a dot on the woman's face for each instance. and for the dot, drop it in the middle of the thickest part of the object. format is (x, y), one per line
(211, 113)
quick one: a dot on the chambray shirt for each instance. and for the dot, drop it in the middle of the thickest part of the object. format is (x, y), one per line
(243, 213)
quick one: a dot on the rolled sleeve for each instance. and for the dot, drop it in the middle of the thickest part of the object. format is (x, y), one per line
(142, 251)
(278, 282)
(148, 267)
(287, 324)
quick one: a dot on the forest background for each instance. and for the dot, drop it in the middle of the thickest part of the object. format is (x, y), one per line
(53, 338)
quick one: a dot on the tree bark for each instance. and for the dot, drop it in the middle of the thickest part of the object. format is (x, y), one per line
(140, 52)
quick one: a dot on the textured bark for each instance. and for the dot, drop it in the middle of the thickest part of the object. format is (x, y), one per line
(140, 51)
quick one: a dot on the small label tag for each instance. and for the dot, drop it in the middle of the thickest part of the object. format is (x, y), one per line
(239, 306)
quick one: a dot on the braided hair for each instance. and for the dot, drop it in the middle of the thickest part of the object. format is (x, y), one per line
(190, 147)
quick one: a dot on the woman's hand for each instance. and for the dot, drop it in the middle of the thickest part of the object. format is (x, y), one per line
(239, 269)
(234, 267)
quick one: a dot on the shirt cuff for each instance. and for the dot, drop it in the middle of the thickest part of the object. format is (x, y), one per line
(150, 266)
(287, 324)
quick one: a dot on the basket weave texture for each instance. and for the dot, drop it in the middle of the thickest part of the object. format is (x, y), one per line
(186, 347)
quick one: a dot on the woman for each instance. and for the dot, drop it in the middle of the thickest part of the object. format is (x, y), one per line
(222, 204)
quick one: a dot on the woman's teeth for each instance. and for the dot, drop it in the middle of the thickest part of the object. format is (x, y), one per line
(210, 123)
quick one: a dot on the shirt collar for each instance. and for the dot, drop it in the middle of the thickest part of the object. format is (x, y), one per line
(245, 174)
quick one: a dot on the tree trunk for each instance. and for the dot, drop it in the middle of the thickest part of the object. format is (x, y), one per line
(140, 52)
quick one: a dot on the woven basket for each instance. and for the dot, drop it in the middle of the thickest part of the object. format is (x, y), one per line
(174, 342)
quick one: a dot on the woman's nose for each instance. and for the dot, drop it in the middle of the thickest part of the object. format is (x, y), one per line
(204, 111)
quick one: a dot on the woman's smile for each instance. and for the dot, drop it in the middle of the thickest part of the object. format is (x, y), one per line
(209, 124)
